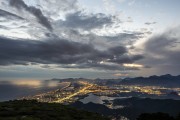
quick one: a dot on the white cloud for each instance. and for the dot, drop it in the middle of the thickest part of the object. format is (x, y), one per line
(132, 2)
(121, 1)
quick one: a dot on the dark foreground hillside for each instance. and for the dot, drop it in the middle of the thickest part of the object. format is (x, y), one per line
(33, 110)
(133, 107)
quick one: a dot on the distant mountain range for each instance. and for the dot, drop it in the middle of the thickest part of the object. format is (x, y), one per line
(164, 80)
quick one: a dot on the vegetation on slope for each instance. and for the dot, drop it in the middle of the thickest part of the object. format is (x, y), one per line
(157, 116)
(33, 110)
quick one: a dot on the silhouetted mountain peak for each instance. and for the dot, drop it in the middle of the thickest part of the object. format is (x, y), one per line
(167, 76)
(163, 80)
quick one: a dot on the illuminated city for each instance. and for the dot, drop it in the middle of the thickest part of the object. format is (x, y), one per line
(75, 91)
(89, 60)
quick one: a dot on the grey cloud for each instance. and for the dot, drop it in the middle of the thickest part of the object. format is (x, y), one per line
(98, 66)
(58, 6)
(163, 50)
(11, 18)
(127, 59)
(19, 4)
(161, 43)
(150, 23)
(119, 50)
(103, 42)
(60, 52)
(126, 37)
(4, 27)
(9, 15)
(94, 65)
(80, 20)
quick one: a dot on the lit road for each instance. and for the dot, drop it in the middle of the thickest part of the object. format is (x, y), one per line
(60, 100)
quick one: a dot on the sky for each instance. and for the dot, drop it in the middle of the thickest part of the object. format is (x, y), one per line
(44, 39)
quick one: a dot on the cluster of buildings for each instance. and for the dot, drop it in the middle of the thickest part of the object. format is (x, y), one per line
(79, 89)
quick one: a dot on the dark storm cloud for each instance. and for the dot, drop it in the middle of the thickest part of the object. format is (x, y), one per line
(127, 59)
(61, 52)
(80, 20)
(54, 51)
(19, 4)
(163, 50)
(161, 43)
(93, 65)
(119, 50)
(125, 36)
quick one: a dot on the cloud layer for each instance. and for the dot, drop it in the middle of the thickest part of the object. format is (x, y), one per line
(62, 34)
(59, 51)
(20, 4)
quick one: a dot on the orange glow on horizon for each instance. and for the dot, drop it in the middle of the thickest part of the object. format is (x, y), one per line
(133, 65)
(34, 83)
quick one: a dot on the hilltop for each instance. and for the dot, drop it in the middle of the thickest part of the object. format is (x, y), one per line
(33, 110)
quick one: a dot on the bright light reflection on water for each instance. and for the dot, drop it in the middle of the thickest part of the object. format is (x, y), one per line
(15, 89)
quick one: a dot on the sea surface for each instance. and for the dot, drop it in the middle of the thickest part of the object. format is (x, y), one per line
(16, 89)
(98, 99)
